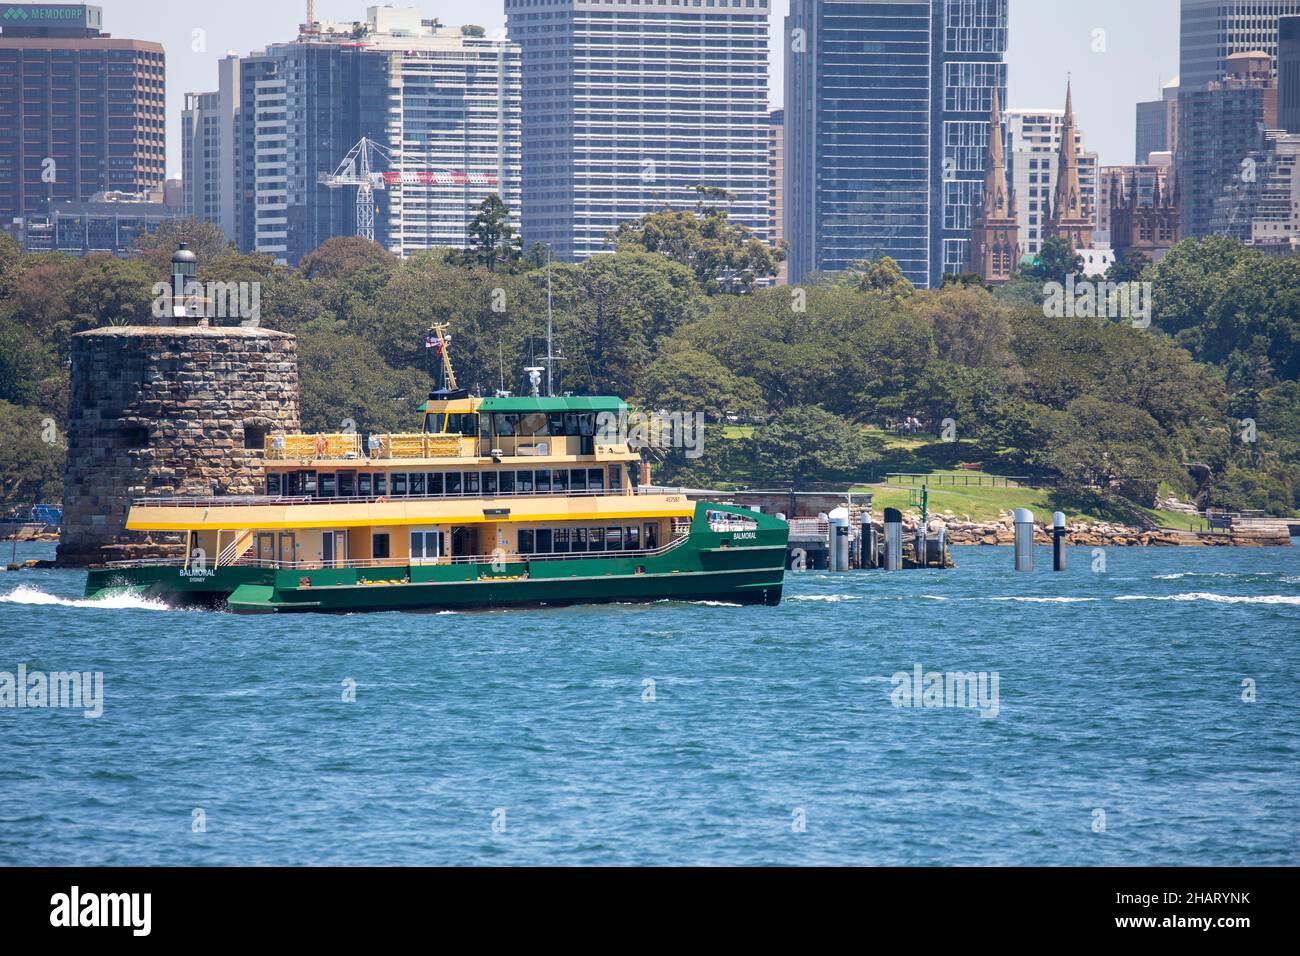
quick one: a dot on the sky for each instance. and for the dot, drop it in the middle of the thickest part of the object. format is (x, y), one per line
(1118, 52)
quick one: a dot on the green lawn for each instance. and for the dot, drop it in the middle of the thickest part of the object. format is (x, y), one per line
(986, 504)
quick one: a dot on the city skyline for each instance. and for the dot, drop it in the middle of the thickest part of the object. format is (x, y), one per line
(1136, 52)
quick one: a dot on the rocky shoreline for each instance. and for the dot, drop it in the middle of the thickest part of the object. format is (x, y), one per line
(962, 531)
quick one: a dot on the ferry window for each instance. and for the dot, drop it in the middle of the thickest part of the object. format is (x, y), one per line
(595, 539)
(571, 424)
(347, 484)
(379, 546)
(399, 484)
(544, 541)
(561, 541)
(587, 424)
(273, 484)
(525, 542)
(471, 482)
(560, 479)
(579, 539)
(632, 538)
(434, 483)
(615, 477)
(416, 483)
(578, 479)
(613, 539)
(431, 423)
(633, 474)
(543, 482)
(453, 482)
(524, 482)
(505, 425)
(381, 484)
(485, 426)
(507, 479)
(651, 537)
(309, 482)
(327, 485)
(555, 422)
(596, 479)
(466, 424)
(292, 484)
(364, 485)
(533, 424)
(489, 482)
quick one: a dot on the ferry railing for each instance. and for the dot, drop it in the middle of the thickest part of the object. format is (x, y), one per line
(395, 446)
(380, 563)
(250, 501)
(472, 559)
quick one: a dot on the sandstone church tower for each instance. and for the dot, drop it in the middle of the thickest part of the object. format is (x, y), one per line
(1068, 218)
(995, 233)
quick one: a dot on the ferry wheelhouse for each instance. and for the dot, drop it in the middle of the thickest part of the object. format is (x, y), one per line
(496, 501)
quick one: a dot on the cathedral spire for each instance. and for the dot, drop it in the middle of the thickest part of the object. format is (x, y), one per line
(1068, 218)
(994, 249)
(997, 204)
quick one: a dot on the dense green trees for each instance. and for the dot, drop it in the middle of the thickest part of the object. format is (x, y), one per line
(791, 380)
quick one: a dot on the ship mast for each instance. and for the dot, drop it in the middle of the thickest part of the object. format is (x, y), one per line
(439, 339)
(550, 318)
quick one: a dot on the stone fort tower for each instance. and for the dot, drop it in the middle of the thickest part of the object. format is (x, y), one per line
(179, 409)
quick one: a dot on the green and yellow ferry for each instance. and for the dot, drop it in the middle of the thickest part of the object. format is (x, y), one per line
(496, 502)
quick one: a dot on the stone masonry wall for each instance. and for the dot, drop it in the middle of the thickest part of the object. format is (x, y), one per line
(159, 412)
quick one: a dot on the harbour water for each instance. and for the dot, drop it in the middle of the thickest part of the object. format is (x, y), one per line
(1144, 714)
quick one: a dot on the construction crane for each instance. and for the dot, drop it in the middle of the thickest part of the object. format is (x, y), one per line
(360, 168)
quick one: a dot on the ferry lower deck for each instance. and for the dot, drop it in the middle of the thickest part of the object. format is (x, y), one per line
(703, 552)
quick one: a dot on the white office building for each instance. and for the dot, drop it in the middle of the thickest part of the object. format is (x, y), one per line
(633, 105)
(1033, 145)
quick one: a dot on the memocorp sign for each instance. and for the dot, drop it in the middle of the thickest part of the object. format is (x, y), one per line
(51, 15)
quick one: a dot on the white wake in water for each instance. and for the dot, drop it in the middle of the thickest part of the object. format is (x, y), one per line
(1047, 600)
(1217, 598)
(24, 594)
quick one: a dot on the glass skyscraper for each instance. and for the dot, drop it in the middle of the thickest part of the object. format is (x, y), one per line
(887, 108)
(632, 105)
(1213, 30)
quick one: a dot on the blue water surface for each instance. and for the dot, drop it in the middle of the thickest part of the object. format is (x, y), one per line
(679, 733)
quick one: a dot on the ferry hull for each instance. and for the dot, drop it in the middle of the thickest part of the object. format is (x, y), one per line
(715, 566)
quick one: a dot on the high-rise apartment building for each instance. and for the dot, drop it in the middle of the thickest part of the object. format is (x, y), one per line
(1034, 139)
(1157, 124)
(887, 123)
(1214, 30)
(81, 113)
(209, 151)
(444, 102)
(1220, 126)
(633, 105)
(776, 184)
(1275, 206)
